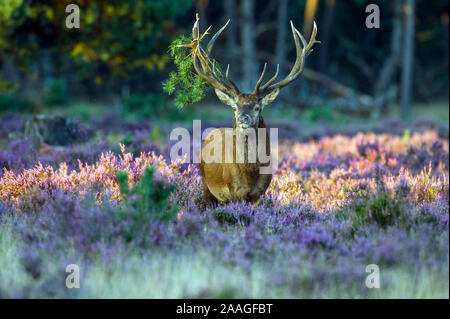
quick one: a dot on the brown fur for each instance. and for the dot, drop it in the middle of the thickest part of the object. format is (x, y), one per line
(225, 182)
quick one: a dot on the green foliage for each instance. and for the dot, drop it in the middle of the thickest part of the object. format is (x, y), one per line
(221, 293)
(406, 135)
(118, 36)
(147, 105)
(155, 134)
(127, 140)
(381, 207)
(7, 8)
(7, 86)
(82, 111)
(151, 106)
(187, 86)
(55, 92)
(11, 101)
(122, 180)
(321, 113)
(146, 201)
(228, 218)
(136, 102)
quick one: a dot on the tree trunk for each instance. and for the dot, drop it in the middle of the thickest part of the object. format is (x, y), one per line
(230, 11)
(408, 57)
(248, 45)
(201, 6)
(282, 18)
(327, 25)
(390, 66)
(282, 26)
(268, 10)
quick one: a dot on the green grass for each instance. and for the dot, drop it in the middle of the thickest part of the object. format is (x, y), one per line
(193, 274)
(436, 111)
(213, 111)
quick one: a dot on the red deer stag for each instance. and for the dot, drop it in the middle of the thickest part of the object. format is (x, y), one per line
(240, 181)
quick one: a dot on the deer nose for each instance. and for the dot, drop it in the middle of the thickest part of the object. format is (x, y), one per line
(244, 119)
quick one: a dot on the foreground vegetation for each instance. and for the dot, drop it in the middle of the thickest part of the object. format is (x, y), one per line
(134, 222)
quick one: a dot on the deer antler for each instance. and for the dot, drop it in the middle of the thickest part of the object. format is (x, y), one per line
(297, 69)
(207, 69)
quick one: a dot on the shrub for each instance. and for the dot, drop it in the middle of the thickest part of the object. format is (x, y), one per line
(321, 113)
(11, 101)
(227, 217)
(381, 207)
(148, 201)
(149, 198)
(55, 92)
(128, 141)
(138, 101)
(148, 105)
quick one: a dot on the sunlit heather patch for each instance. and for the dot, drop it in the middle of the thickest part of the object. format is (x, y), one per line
(339, 145)
(99, 176)
(326, 174)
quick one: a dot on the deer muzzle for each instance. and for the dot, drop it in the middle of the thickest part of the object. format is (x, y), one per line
(244, 121)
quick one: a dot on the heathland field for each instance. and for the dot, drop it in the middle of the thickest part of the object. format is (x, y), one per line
(347, 194)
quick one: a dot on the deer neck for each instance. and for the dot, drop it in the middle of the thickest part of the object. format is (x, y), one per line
(251, 167)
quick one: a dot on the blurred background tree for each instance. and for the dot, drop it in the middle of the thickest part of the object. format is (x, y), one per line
(116, 39)
(121, 48)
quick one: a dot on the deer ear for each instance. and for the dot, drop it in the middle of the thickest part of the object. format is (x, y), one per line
(270, 97)
(225, 98)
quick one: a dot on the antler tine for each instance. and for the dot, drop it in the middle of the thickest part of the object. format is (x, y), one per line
(214, 69)
(206, 32)
(195, 30)
(298, 49)
(271, 79)
(196, 66)
(207, 70)
(214, 38)
(302, 38)
(294, 69)
(300, 59)
(230, 81)
(261, 77)
(207, 76)
(313, 40)
(307, 47)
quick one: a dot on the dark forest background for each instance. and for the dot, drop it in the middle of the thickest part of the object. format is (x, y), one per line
(121, 50)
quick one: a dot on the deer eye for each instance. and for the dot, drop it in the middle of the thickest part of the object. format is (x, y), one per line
(257, 108)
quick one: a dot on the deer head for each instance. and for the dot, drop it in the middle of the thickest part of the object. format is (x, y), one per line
(247, 106)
